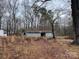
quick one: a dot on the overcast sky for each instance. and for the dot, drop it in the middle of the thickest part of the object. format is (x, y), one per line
(57, 4)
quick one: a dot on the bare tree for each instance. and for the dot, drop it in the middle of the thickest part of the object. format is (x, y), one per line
(50, 16)
(31, 14)
(28, 14)
(2, 2)
(53, 16)
(12, 8)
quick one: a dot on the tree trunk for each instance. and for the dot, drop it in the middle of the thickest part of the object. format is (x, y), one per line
(0, 22)
(14, 28)
(76, 28)
(7, 29)
(75, 14)
(53, 31)
(14, 20)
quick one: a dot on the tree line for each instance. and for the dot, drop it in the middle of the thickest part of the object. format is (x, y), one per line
(31, 17)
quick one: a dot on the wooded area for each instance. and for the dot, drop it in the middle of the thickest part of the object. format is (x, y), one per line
(35, 17)
(26, 27)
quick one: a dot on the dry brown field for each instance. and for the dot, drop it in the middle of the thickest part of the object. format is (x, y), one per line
(20, 47)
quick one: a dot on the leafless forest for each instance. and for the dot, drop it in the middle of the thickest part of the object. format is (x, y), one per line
(39, 19)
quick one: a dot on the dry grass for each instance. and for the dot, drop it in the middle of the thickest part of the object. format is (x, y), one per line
(13, 47)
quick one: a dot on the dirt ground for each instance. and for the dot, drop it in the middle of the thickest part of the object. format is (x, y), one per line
(20, 47)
